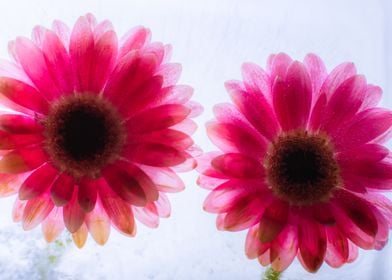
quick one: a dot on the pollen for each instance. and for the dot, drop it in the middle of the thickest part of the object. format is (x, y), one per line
(83, 133)
(301, 168)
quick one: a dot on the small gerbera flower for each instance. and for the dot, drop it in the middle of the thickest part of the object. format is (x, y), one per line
(301, 164)
(97, 131)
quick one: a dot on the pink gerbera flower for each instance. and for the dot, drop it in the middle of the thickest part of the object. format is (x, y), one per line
(97, 130)
(301, 164)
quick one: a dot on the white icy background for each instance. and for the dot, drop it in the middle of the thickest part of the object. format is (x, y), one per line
(211, 39)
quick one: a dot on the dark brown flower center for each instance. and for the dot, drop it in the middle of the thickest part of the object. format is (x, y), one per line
(301, 168)
(83, 133)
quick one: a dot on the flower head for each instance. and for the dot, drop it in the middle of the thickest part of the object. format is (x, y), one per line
(96, 131)
(301, 163)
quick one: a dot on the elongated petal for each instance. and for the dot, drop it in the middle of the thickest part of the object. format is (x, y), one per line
(256, 109)
(292, 97)
(98, 224)
(119, 212)
(73, 214)
(273, 220)
(62, 190)
(337, 247)
(317, 72)
(87, 194)
(79, 237)
(53, 225)
(23, 95)
(38, 182)
(135, 39)
(337, 76)
(356, 219)
(366, 126)
(157, 118)
(35, 211)
(164, 179)
(238, 166)
(312, 244)
(33, 62)
(22, 160)
(81, 51)
(284, 248)
(344, 103)
(19, 124)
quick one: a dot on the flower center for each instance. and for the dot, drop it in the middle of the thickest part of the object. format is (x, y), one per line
(301, 168)
(83, 134)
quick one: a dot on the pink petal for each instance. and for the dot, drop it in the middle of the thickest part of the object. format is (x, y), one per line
(245, 212)
(337, 247)
(126, 184)
(118, 210)
(163, 206)
(366, 126)
(277, 65)
(35, 211)
(62, 190)
(178, 94)
(372, 97)
(312, 244)
(344, 103)
(284, 248)
(87, 194)
(73, 214)
(317, 115)
(238, 166)
(165, 179)
(142, 98)
(18, 209)
(292, 97)
(168, 137)
(356, 219)
(135, 39)
(33, 62)
(102, 28)
(148, 215)
(157, 118)
(233, 135)
(10, 141)
(367, 173)
(38, 182)
(253, 246)
(58, 62)
(9, 184)
(19, 124)
(81, 50)
(225, 195)
(256, 80)
(337, 76)
(170, 72)
(317, 72)
(155, 154)
(62, 31)
(353, 252)
(79, 237)
(129, 74)
(98, 224)
(22, 160)
(273, 220)
(23, 95)
(104, 56)
(53, 225)
(256, 109)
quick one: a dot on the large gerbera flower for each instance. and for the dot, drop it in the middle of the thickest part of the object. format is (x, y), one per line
(97, 131)
(301, 163)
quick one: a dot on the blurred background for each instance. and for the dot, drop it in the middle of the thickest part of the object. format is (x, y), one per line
(211, 38)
